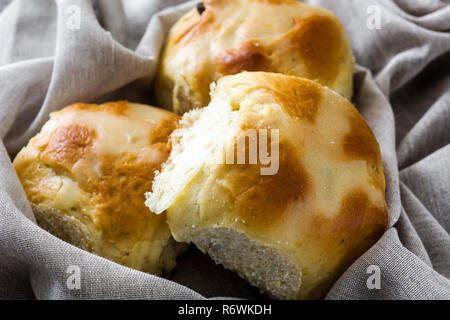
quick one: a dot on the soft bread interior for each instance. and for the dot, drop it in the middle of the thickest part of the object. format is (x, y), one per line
(202, 134)
(262, 266)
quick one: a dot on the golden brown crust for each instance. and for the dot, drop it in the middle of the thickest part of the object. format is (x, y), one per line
(319, 42)
(229, 37)
(193, 30)
(69, 144)
(261, 200)
(300, 100)
(360, 142)
(115, 107)
(248, 57)
(108, 155)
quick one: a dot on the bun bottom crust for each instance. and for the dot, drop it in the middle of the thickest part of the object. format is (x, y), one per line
(73, 231)
(264, 267)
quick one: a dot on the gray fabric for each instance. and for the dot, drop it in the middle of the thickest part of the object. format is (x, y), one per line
(402, 88)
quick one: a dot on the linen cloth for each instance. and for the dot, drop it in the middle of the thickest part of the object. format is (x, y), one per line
(49, 58)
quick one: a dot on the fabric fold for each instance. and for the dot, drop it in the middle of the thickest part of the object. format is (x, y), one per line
(60, 52)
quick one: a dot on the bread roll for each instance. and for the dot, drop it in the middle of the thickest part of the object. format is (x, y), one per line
(86, 173)
(228, 37)
(291, 231)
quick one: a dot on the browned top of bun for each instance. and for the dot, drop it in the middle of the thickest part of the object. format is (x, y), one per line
(94, 163)
(229, 37)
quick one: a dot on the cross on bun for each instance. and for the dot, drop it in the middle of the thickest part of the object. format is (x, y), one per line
(86, 173)
(290, 232)
(227, 37)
